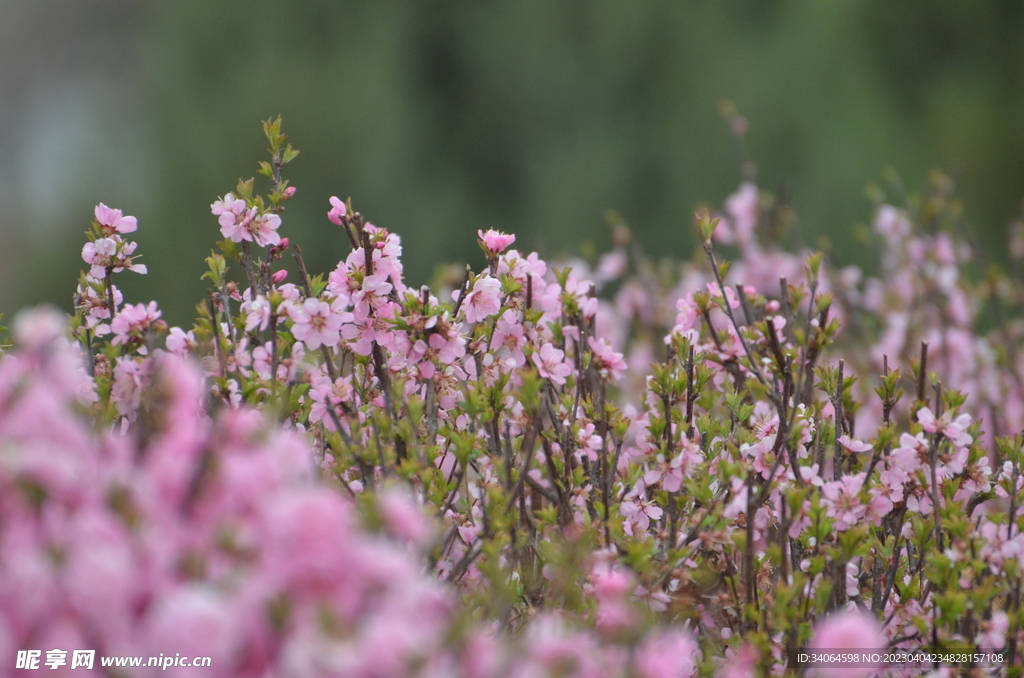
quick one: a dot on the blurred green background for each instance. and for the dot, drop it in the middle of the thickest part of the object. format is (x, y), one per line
(534, 117)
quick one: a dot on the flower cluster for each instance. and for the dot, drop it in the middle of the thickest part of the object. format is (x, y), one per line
(604, 470)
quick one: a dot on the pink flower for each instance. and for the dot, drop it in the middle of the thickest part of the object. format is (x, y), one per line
(367, 327)
(179, 342)
(36, 328)
(854, 445)
(667, 653)
(638, 514)
(338, 211)
(550, 366)
(742, 207)
(113, 221)
(509, 338)
(404, 518)
(843, 499)
(484, 301)
(133, 321)
(237, 223)
(257, 313)
(449, 348)
(993, 632)
(326, 394)
(609, 363)
(112, 253)
(954, 429)
(892, 224)
(229, 208)
(847, 631)
(670, 474)
(495, 242)
(316, 324)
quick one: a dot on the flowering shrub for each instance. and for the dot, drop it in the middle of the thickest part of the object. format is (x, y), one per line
(603, 470)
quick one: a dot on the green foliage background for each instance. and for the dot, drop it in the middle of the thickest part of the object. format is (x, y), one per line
(538, 116)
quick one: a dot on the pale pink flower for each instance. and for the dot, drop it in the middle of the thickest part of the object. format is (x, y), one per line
(130, 377)
(843, 500)
(954, 429)
(133, 321)
(100, 254)
(229, 208)
(404, 518)
(180, 343)
(367, 327)
(36, 328)
(993, 632)
(114, 221)
(509, 339)
(892, 224)
(520, 268)
(742, 207)
(638, 514)
(494, 241)
(667, 653)
(257, 313)
(338, 210)
(484, 301)
(550, 365)
(327, 394)
(238, 223)
(609, 363)
(668, 473)
(854, 444)
(847, 631)
(449, 348)
(316, 324)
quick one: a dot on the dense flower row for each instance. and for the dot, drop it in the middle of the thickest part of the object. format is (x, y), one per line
(611, 470)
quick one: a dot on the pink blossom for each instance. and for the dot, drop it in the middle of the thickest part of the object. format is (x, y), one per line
(257, 313)
(99, 254)
(550, 365)
(847, 631)
(638, 514)
(316, 324)
(843, 500)
(993, 632)
(669, 474)
(449, 348)
(367, 328)
(327, 394)
(229, 208)
(509, 339)
(609, 363)
(114, 221)
(179, 342)
(668, 653)
(237, 223)
(854, 445)
(404, 518)
(39, 327)
(892, 224)
(133, 321)
(954, 429)
(742, 207)
(521, 268)
(495, 242)
(484, 301)
(338, 211)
